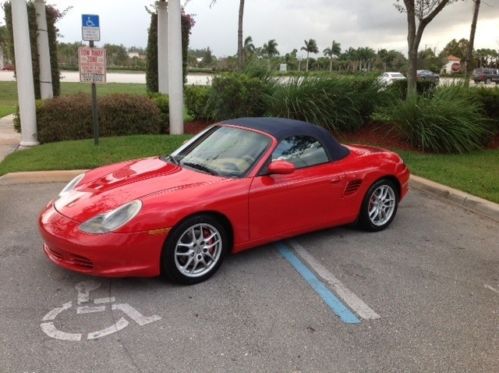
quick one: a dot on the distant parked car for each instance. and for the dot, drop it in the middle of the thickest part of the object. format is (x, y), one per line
(427, 75)
(8, 67)
(389, 77)
(487, 75)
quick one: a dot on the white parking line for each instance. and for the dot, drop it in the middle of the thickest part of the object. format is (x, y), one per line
(352, 300)
(487, 286)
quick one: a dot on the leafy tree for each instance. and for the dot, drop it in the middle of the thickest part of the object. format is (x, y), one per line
(67, 54)
(116, 55)
(4, 43)
(419, 14)
(487, 57)
(455, 48)
(207, 58)
(333, 51)
(390, 60)
(310, 47)
(428, 60)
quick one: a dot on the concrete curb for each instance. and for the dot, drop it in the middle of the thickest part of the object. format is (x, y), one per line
(36, 177)
(465, 200)
(470, 202)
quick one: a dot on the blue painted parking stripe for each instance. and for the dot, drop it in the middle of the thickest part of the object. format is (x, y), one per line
(327, 296)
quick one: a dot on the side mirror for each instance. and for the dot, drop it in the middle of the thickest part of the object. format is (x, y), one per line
(281, 168)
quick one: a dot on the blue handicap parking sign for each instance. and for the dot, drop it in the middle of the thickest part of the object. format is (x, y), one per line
(90, 20)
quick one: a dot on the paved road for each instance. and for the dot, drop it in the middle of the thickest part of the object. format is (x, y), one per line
(433, 278)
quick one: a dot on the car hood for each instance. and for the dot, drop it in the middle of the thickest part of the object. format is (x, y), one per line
(104, 189)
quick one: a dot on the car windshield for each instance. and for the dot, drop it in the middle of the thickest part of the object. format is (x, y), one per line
(223, 151)
(397, 75)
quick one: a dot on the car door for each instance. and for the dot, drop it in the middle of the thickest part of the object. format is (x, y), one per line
(296, 202)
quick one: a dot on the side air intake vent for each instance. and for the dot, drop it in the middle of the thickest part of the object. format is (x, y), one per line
(352, 186)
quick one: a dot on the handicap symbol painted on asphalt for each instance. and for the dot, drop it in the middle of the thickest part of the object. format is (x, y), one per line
(85, 306)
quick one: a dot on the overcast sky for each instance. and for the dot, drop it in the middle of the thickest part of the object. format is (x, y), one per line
(356, 23)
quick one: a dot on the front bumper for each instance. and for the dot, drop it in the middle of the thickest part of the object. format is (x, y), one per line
(109, 255)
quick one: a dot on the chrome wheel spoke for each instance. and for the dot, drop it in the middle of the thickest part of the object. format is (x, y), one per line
(382, 204)
(198, 250)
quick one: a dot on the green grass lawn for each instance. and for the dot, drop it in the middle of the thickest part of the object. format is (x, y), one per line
(476, 173)
(104, 89)
(8, 98)
(80, 154)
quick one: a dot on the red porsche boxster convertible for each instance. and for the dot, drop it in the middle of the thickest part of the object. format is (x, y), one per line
(238, 184)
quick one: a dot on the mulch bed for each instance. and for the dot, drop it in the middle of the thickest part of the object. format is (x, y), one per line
(371, 133)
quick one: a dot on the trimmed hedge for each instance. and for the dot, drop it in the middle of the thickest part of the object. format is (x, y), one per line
(70, 117)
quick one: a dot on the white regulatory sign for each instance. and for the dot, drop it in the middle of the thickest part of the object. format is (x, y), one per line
(90, 27)
(92, 62)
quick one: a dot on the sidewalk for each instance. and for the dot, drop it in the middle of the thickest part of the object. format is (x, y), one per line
(9, 138)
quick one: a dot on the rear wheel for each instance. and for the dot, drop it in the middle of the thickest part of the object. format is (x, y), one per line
(194, 250)
(379, 206)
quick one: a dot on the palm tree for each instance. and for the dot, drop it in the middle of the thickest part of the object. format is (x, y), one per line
(468, 65)
(310, 47)
(240, 52)
(270, 50)
(248, 48)
(334, 51)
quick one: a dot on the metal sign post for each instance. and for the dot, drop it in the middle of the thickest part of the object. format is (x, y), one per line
(92, 63)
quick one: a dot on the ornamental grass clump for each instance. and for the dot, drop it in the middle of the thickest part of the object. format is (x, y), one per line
(341, 104)
(451, 121)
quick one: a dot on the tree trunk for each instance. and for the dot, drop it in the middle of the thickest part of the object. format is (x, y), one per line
(331, 64)
(469, 54)
(412, 49)
(307, 61)
(240, 55)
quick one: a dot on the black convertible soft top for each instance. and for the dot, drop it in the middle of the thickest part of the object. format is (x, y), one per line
(282, 128)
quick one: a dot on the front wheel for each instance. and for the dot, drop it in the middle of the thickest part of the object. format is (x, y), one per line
(194, 250)
(379, 206)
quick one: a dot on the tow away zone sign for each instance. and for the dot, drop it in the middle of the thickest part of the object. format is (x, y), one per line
(92, 62)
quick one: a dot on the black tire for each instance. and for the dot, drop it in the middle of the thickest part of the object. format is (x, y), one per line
(365, 221)
(172, 259)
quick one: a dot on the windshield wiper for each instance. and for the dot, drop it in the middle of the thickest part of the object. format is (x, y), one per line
(201, 167)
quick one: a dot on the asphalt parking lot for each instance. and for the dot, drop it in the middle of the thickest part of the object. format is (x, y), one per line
(432, 278)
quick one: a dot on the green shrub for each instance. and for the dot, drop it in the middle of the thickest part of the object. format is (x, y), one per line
(451, 121)
(163, 104)
(235, 95)
(70, 117)
(399, 88)
(122, 114)
(196, 100)
(489, 99)
(335, 102)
